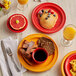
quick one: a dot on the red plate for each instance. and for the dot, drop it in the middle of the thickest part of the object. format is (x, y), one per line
(67, 66)
(61, 17)
(17, 31)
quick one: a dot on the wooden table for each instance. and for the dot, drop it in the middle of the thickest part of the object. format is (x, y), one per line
(69, 6)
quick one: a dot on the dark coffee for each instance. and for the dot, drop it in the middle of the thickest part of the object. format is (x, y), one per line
(40, 55)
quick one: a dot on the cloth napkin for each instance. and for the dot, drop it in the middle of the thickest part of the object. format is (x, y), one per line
(11, 43)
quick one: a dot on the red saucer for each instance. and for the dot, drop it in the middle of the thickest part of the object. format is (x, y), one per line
(61, 17)
(67, 66)
(17, 31)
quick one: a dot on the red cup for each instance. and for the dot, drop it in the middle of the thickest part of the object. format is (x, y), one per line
(39, 55)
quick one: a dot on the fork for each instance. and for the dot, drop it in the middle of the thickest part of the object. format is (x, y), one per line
(9, 52)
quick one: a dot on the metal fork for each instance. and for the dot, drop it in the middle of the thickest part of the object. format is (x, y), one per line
(9, 52)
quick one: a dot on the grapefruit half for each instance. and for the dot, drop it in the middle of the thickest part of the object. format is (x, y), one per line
(17, 22)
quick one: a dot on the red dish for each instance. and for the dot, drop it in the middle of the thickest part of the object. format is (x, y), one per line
(16, 31)
(61, 17)
(44, 52)
(67, 66)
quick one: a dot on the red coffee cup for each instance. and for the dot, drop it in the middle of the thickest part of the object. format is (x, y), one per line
(39, 55)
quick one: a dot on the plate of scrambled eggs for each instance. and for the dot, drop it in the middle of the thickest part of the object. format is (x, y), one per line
(70, 65)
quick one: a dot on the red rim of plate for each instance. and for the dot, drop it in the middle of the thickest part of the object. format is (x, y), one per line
(17, 31)
(67, 66)
(61, 17)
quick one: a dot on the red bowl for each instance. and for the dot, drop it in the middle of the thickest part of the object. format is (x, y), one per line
(61, 17)
(16, 31)
(36, 61)
(67, 66)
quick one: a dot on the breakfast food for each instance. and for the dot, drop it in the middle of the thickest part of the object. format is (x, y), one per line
(47, 18)
(22, 2)
(69, 32)
(31, 51)
(17, 22)
(47, 44)
(26, 50)
(29, 47)
(73, 67)
(26, 57)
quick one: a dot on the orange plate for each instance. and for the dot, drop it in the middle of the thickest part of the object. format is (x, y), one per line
(63, 61)
(39, 67)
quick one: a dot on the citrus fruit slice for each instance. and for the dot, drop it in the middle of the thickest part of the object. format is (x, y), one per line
(17, 22)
